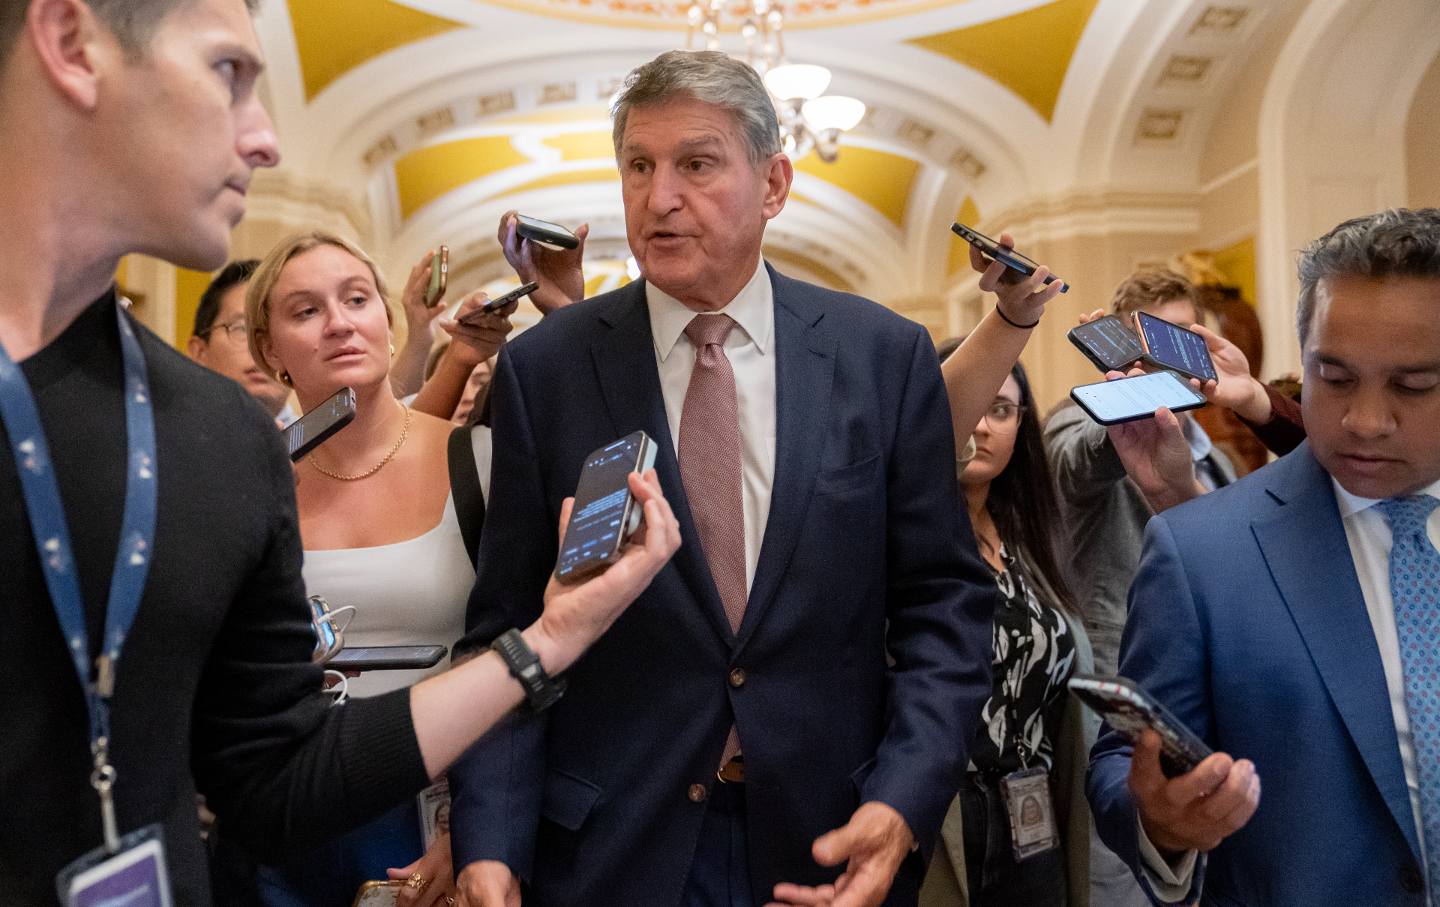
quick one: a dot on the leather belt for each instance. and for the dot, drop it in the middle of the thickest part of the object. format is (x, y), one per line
(732, 772)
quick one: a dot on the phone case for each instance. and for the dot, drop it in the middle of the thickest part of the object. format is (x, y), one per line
(1196, 402)
(315, 427)
(1129, 710)
(439, 272)
(545, 233)
(1009, 257)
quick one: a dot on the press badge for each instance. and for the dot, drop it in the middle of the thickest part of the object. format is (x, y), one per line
(1032, 815)
(134, 876)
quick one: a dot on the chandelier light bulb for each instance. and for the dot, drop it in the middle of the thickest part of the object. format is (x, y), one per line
(793, 81)
(833, 112)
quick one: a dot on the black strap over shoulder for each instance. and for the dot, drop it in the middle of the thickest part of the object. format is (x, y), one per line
(465, 489)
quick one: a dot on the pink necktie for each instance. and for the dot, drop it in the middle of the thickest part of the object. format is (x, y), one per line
(710, 469)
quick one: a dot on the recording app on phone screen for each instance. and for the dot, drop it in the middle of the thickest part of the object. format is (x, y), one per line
(1125, 398)
(1175, 346)
(1113, 341)
(599, 513)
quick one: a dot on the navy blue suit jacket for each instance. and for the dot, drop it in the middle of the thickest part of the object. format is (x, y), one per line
(865, 553)
(1247, 622)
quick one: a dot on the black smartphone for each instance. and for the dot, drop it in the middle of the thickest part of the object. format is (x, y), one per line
(1107, 342)
(386, 658)
(499, 302)
(439, 276)
(605, 513)
(1168, 345)
(312, 429)
(1130, 710)
(1128, 399)
(1008, 257)
(550, 235)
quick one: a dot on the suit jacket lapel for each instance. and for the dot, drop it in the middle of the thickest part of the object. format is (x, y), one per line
(804, 369)
(624, 360)
(1305, 545)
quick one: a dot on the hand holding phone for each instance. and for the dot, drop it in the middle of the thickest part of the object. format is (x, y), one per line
(1136, 397)
(552, 236)
(1011, 259)
(315, 427)
(1130, 710)
(439, 276)
(492, 306)
(605, 514)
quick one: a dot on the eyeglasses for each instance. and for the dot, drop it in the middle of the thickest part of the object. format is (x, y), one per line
(234, 330)
(1003, 417)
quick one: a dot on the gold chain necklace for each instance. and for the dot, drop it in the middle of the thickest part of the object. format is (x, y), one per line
(404, 432)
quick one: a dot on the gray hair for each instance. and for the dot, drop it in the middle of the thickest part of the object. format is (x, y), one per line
(1400, 242)
(712, 78)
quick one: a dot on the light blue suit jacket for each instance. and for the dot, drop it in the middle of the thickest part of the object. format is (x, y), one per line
(1247, 622)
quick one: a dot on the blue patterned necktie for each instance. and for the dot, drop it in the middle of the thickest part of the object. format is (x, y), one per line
(1415, 591)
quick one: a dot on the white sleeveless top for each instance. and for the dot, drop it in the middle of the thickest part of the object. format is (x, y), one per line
(406, 594)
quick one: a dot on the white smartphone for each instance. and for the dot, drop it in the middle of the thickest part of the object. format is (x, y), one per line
(1128, 399)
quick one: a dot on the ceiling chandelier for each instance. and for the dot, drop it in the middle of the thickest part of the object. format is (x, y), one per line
(809, 118)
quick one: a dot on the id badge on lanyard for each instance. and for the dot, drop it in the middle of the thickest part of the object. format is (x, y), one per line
(129, 870)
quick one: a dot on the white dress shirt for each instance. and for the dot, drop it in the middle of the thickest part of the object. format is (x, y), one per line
(1368, 533)
(751, 351)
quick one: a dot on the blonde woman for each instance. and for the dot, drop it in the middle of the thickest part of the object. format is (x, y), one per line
(376, 517)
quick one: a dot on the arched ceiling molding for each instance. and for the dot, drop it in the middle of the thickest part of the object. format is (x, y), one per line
(939, 197)
(1328, 149)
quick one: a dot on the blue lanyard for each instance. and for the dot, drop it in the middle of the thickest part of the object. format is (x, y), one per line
(41, 492)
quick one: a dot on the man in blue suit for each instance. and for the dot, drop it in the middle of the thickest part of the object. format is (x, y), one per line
(1293, 620)
(813, 663)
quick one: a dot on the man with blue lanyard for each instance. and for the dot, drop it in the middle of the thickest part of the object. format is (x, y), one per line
(152, 613)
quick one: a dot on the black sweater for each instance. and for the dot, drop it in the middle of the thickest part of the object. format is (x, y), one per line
(214, 689)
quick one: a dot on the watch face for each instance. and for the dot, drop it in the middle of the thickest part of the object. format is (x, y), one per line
(530, 670)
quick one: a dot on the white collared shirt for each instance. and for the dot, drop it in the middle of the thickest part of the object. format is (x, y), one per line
(751, 351)
(1368, 534)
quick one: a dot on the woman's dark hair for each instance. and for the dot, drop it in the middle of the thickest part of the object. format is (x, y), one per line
(1025, 506)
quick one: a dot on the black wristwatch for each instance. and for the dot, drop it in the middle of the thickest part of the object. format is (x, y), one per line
(541, 690)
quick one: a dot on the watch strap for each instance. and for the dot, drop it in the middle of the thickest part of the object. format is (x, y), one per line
(541, 690)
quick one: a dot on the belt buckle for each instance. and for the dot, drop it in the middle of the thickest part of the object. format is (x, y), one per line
(732, 772)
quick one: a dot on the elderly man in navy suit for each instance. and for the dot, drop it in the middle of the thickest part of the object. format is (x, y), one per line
(1293, 621)
(785, 714)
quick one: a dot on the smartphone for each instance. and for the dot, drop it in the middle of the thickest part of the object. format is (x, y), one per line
(439, 276)
(1130, 710)
(1168, 345)
(1107, 342)
(605, 513)
(379, 893)
(1128, 399)
(499, 302)
(552, 236)
(387, 658)
(312, 429)
(328, 638)
(1008, 257)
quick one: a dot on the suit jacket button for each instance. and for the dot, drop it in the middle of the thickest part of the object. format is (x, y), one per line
(1411, 880)
(697, 793)
(737, 678)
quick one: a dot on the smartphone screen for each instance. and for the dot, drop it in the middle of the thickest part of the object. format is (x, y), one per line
(601, 517)
(1108, 342)
(1127, 399)
(1172, 346)
(312, 429)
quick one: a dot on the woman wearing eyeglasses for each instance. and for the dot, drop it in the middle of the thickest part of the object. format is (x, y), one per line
(1006, 844)
(377, 519)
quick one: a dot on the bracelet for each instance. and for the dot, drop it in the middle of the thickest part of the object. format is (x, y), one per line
(541, 690)
(1014, 324)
